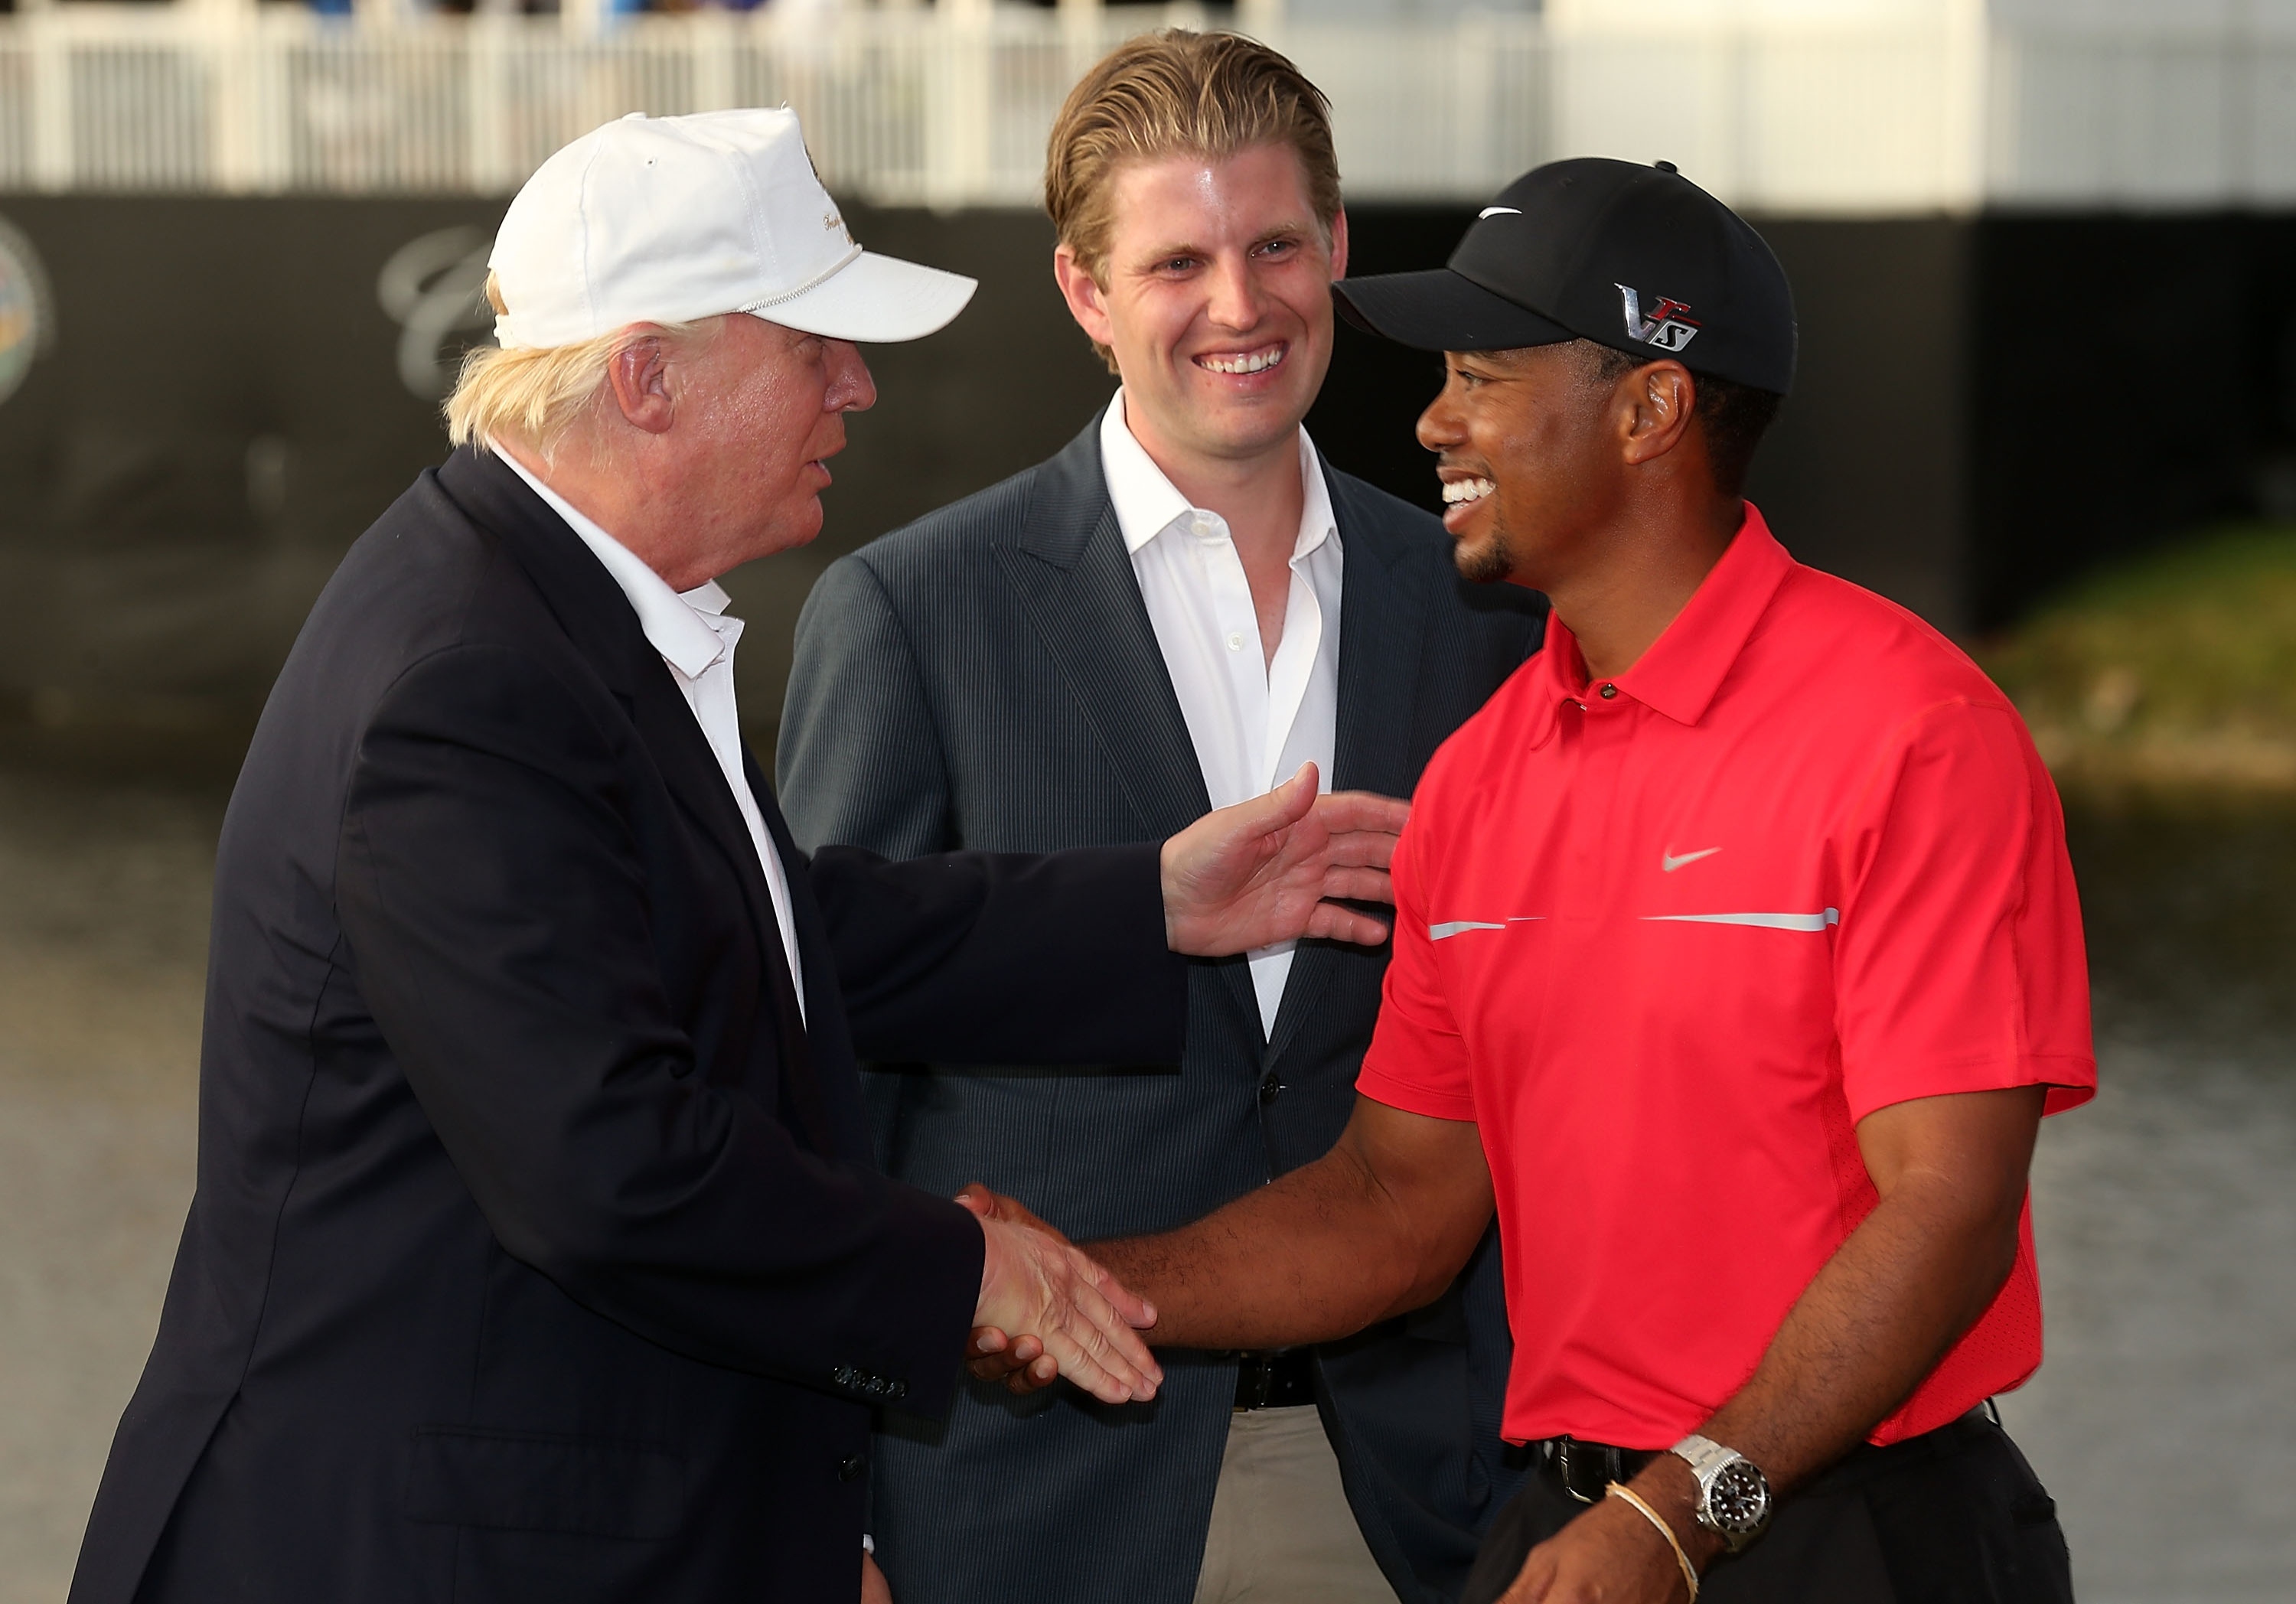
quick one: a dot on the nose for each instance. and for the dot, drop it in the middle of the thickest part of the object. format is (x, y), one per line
(1440, 426)
(850, 387)
(1235, 297)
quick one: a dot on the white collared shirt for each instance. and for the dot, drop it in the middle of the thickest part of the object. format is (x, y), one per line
(696, 639)
(1253, 719)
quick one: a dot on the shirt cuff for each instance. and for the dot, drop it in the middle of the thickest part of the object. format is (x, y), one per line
(1412, 1098)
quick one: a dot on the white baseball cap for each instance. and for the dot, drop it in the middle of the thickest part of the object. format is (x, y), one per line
(666, 219)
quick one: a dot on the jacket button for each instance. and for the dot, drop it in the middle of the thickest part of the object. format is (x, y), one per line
(851, 1466)
(1269, 1086)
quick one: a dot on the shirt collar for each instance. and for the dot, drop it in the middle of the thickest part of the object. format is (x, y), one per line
(1686, 665)
(1147, 503)
(678, 624)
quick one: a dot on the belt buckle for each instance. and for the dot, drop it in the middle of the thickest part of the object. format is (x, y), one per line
(1254, 1380)
(1563, 1446)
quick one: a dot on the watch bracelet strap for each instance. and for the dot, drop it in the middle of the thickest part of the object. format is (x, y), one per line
(1681, 1554)
(1702, 1455)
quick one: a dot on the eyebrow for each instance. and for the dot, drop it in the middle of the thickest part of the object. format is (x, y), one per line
(1162, 252)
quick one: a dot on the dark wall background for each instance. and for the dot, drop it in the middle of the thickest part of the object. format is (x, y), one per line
(1864, 473)
(1984, 408)
(2137, 379)
(222, 414)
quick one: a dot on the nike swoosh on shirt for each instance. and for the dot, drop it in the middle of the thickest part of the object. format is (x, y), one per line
(1460, 927)
(1766, 921)
(1668, 862)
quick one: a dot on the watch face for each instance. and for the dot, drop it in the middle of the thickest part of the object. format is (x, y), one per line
(1738, 1501)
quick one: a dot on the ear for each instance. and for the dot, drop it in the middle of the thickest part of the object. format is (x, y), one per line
(1339, 243)
(639, 375)
(1657, 402)
(1088, 301)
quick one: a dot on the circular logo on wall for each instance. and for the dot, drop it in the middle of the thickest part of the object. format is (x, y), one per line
(27, 321)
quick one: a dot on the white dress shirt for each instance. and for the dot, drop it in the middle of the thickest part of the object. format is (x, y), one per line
(1253, 719)
(696, 639)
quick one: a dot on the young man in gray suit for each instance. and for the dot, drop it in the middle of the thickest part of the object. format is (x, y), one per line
(1178, 610)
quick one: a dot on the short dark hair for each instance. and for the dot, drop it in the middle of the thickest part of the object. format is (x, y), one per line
(1734, 417)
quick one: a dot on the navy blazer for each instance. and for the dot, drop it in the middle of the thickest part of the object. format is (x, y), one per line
(538, 1252)
(989, 678)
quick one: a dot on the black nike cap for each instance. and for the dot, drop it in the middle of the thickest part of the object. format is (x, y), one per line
(1634, 258)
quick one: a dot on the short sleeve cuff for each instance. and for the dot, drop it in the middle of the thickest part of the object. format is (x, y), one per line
(2071, 1080)
(1412, 1098)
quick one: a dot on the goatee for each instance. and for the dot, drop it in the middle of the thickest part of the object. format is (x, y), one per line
(1489, 561)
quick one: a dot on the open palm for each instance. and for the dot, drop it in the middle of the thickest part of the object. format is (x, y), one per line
(1267, 870)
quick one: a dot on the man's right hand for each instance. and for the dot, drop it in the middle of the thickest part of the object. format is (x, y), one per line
(1047, 1294)
(1020, 1363)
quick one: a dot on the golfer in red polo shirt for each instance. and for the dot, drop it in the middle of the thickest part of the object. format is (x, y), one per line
(1737, 960)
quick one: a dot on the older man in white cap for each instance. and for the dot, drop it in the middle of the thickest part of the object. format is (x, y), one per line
(537, 1252)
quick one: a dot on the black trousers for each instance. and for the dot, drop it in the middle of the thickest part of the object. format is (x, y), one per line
(1953, 1516)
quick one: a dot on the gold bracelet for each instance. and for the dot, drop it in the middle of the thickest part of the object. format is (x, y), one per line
(1682, 1557)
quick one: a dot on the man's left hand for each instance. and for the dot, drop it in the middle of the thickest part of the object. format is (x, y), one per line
(1263, 871)
(1610, 1555)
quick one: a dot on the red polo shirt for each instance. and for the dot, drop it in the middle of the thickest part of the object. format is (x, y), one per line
(1666, 941)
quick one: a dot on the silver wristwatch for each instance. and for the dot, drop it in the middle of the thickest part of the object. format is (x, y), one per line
(1733, 1496)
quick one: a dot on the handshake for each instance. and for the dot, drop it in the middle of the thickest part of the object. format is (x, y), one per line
(1273, 869)
(1047, 1310)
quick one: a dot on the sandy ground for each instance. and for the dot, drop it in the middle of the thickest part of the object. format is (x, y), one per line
(2165, 1422)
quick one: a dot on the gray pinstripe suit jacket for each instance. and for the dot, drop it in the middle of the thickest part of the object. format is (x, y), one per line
(987, 678)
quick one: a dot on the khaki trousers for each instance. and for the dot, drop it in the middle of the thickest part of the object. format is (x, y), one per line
(1282, 1532)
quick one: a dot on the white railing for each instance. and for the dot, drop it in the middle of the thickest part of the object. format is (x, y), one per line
(1929, 105)
(941, 108)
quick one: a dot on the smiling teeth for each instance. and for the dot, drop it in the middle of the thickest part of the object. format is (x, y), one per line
(1257, 362)
(1458, 493)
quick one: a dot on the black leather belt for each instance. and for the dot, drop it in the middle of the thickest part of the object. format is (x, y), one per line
(1283, 1381)
(1585, 1470)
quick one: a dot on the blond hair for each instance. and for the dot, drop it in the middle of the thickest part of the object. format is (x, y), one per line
(1175, 92)
(536, 394)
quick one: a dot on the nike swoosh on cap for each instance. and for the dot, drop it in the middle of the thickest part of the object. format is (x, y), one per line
(1497, 211)
(1668, 862)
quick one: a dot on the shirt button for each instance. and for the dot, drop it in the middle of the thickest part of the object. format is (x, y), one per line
(1609, 692)
(1236, 642)
(1201, 523)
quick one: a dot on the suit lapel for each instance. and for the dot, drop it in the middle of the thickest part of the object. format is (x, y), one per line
(1076, 584)
(599, 619)
(691, 770)
(845, 1122)
(1382, 623)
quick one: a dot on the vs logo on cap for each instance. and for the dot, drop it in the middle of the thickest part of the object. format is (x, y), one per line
(1668, 327)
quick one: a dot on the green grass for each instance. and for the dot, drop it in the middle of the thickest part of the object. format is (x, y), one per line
(2193, 644)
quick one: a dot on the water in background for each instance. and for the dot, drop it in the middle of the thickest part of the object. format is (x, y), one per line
(2164, 1420)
